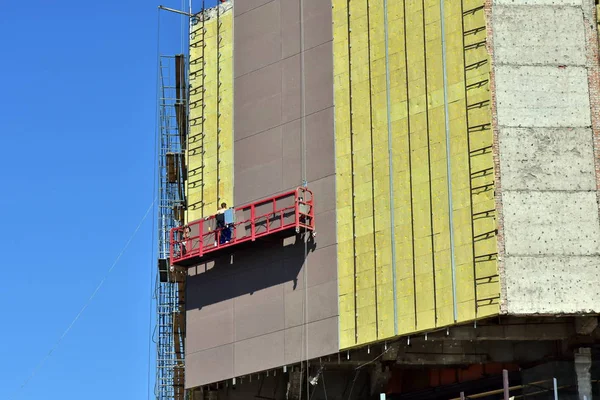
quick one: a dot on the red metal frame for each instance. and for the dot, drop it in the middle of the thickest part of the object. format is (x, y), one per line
(188, 250)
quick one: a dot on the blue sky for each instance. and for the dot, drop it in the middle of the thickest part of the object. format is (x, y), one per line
(77, 121)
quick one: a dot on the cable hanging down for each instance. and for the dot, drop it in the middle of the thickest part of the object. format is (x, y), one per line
(87, 303)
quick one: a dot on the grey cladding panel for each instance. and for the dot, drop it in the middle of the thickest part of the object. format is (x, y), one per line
(551, 223)
(539, 284)
(519, 39)
(542, 96)
(547, 159)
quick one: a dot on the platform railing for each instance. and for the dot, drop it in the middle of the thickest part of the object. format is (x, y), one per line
(197, 238)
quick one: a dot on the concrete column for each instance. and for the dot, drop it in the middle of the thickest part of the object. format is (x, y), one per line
(197, 394)
(294, 385)
(212, 395)
(379, 376)
(583, 363)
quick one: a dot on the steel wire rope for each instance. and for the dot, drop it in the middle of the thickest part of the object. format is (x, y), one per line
(158, 144)
(87, 303)
(324, 385)
(304, 183)
(154, 196)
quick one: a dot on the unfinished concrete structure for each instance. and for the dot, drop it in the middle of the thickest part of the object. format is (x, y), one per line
(452, 149)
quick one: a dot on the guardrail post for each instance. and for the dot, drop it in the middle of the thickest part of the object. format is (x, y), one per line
(297, 209)
(252, 222)
(505, 384)
(171, 244)
(200, 238)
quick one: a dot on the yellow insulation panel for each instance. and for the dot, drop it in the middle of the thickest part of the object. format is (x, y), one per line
(210, 139)
(370, 310)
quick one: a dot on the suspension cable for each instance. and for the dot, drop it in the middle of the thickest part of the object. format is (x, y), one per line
(87, 303)
(304, 183)
(154, 196)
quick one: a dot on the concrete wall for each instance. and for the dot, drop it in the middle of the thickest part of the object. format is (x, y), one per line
(373, 306)
(274, 302)
(543, 57)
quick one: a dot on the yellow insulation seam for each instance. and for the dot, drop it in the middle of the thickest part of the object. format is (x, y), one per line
(372, 167)
(410, 163)
(448, 162)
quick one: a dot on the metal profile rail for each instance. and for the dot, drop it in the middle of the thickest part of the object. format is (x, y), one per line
(283, 212)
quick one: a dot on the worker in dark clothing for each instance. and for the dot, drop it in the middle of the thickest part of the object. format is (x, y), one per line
(225, 230)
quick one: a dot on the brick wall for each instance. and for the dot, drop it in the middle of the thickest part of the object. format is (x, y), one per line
(496, 153)
(590, 18)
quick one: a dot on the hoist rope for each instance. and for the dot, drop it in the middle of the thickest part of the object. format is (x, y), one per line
(303, 183)
(154, 196)
(87, 303)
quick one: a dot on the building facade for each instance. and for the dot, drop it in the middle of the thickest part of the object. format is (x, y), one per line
(452, 148)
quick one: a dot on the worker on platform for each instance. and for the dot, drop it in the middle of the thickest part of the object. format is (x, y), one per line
(222, 227)
(185, 236)
(183, 239)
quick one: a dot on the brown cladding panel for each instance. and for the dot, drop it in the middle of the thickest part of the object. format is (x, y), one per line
(320, 146)
(257, 38)
(294, 344)
(319, 78)
(213, 327)
(322, 267)
(262, 148)
(321, 189)
(244, 6)
(290, 28)
(257, 101)
(318, 27)
(322, 301)
(264, 283)
(291, 93)
(325, 225)
(268, 350)
(259, 313)
(252, 184)
(292, 157)
(209, 365)
(320, 334)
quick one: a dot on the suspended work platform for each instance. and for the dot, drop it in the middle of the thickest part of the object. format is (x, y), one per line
(290, 211)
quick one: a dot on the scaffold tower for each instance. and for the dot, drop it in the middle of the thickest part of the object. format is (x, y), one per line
(170, 282)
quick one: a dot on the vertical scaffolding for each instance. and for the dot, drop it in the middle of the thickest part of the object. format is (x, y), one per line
(170, 283)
